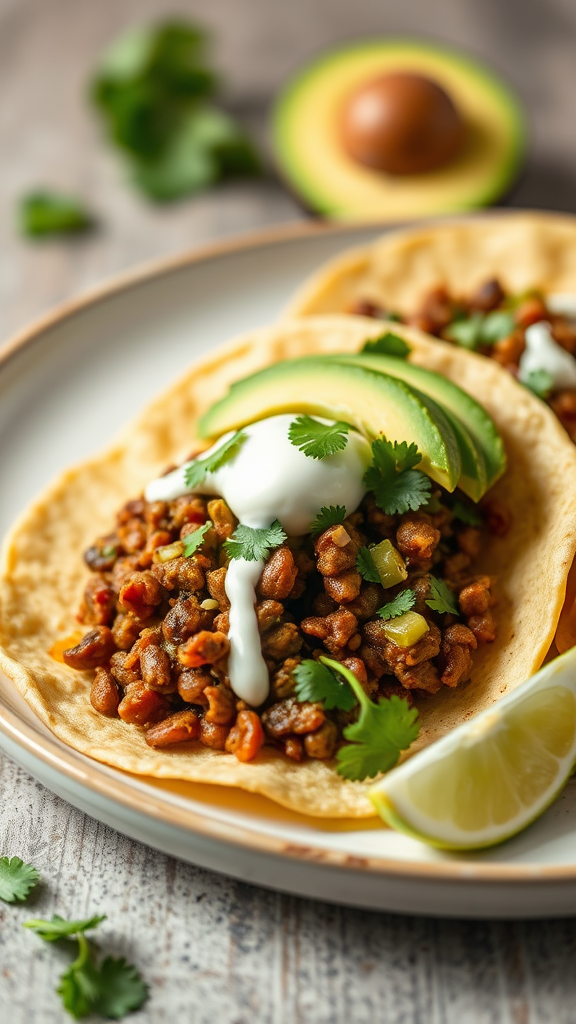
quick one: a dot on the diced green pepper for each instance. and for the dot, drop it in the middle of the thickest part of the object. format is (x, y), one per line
(389, 563)
(406, 629)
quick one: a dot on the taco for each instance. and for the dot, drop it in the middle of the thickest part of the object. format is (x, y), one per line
(422, 557)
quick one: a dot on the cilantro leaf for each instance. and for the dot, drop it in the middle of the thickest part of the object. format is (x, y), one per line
(403, 602)
(328, 517)
(382, 732)
(318, 440)
(497, 325)
(366, 566)
(192, 541)
(198, 469)
(254, 545)
(17, 879)
(317, 682)
(121, 989)
(79, 985)
(442, 599)
(388, 344)
(397, 487)
(466, 331)
(539, 381)
(466, 514)
(59, 928)
(52, 213)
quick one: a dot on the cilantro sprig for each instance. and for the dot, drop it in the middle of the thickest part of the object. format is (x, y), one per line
(481, 328)
(254, 544)
(397, 486)
(197, 470)
(382, 732)
(17, 879)
(403, 602)
(540, 382)
(366, 566)
(316, 682)
(441, 599)
(387, 345)
(318, 440)
(192, 541)
(328, 517)
(112, 989)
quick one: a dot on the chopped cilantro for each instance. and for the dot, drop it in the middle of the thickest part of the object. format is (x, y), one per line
(254, 545)
(397, 486)
(17, 879)
(192, 541)
(388, 344)
(197, 470)
(109, 551)
(317, 682)
(52, 213)
(497, 325)
(481, 328)
(328, 517)
(539, 381)
(318, 440)
(111, 990)
(382, 732)
(403, 602)
(466, 514)
(441, 599)
(366, 566)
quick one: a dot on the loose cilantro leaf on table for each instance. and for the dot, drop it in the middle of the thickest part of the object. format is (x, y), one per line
(328, 517)
(366, 566)
(59, 928)
(397, 486)
(382, 732)
(192, 541)
(254, 545)
(403, 602)
(316, 682)
(52, 213)
(318, 440)
(388, 345)
(121, 989)
(540, 382)
(442, 599)
(17, 879)
(466, 514)
(198, 469)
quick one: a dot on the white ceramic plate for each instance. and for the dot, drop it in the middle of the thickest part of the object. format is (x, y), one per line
(51, 414)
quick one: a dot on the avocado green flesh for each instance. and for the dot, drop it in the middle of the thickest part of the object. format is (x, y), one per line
(477, 425)
(374, 403)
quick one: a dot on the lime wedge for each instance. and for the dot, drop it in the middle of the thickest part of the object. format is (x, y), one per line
(492, 776)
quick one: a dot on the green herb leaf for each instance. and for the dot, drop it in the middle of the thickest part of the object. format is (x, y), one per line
(540, 382)
(79, 985)
(388, 344)
(366, 566)
(254, 545)
(396, 485)
(442, 599)
(497, 325)
(198, 469)
(59, 928)
(52, 213)
(316, 682)
(17, 879)
(192, 541)
(466, 514)
(328, 517)
(466, 332)
(403, 602)
(382, 732)
(121, 989)
(318, 440)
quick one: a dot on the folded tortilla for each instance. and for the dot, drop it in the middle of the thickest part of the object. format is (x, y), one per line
(523, 250)
(43, 574)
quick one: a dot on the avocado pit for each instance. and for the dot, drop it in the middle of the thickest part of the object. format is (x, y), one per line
(402, 123)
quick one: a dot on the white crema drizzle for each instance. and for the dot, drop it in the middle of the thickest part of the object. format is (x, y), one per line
(268, 478)
(542, 352)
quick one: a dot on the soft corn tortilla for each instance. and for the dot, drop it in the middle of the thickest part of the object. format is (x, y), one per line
(43, 573)
(523, 250)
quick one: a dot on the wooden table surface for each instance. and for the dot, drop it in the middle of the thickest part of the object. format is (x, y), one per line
(213, 949)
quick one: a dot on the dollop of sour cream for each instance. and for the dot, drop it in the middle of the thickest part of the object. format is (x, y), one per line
(268, 478)
(543, 353)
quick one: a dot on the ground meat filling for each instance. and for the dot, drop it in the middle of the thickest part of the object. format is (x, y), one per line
(439, 310)
(158, 646)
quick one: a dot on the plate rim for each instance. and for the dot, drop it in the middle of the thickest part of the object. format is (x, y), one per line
(71, 764)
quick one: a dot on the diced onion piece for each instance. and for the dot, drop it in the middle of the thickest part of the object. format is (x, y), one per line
(340, 537)
(169, 551)
(209, 604)
(406, 629)
(389, 563)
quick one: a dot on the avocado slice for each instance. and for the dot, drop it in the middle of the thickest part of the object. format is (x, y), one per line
(374, 403)
(481, 448)
(306, 130)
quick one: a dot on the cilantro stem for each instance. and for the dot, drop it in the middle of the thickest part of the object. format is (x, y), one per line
(336, 666)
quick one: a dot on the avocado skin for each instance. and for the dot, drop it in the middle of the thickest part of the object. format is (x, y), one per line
(373, 402)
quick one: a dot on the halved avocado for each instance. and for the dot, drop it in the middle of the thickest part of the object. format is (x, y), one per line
(307, 135)
(481, 447)
(374, 403)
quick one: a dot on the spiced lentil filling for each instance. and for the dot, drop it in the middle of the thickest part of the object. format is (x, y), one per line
(440, 313)
(158, 642)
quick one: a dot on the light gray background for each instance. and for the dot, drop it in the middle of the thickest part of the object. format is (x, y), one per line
(213, 949)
